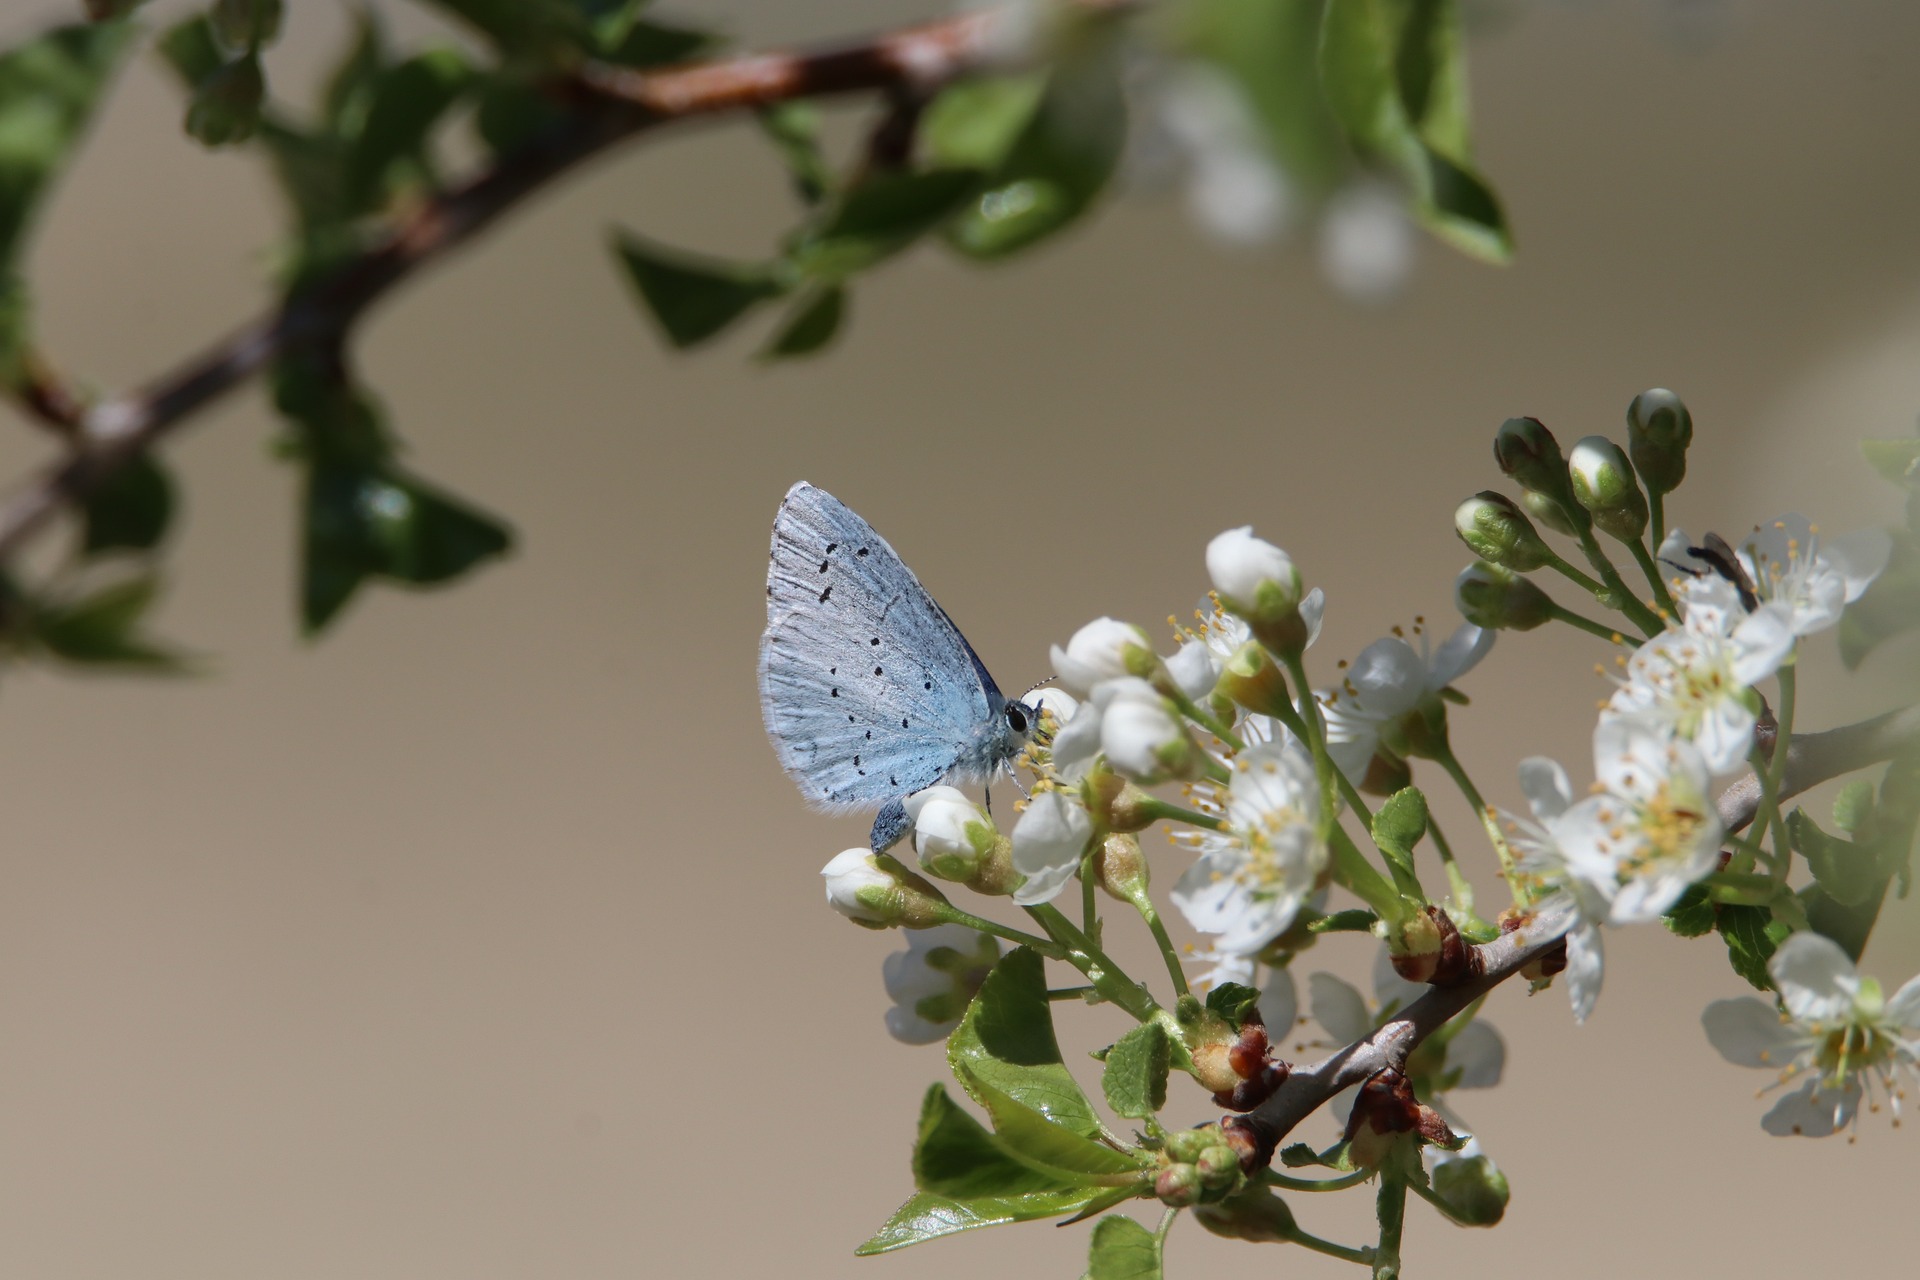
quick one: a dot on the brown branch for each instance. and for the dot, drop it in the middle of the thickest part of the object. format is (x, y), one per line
(1811, 759)
(605, 106)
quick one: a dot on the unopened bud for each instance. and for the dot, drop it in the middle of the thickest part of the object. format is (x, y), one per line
(1527, 451)
(1253, 578)
(1121, 868)
(1603, 483)
(1142, 736)
(1429, 948)
(1219, 1168)
(950, 833)
(1500, 600)
(875, 891)
(1551, 512)
(1495, 529)
(1104, 649)
(1659, 430)
(1254, 1214)
(1472, 1187)
(1254, 680)
(1178, 1186)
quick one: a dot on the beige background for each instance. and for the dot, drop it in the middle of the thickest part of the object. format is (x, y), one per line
(484, 939)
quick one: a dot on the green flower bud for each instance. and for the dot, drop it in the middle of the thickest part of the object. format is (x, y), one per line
(1603, 483)
(1255, 1214)
(1185, 1145)
(1178, 1186)
(1495, 529)
(226, 105)
(1549, 512)
(875, 891)
(1472, 1188)
(1527, 451)
(1120, 866)
(1659, 429)
(1500, 600)
(1219, 1169)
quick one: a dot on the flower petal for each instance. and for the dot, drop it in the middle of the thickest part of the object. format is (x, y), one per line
(1813, 1112)
(1859, 556)
(1585, 960)
(1279, 1004)
(1478, 1054)
(1904, 1008)
(1748, 1033)
(1544, 783)
(1815, 978)
(1458, 654)
(1338, 1008)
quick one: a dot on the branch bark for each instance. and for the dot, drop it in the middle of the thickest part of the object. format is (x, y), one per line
(1812, 759)
(607, 106)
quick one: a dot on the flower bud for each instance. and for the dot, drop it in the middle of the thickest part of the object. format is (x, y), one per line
(879, 893)
(1141, 737)
(1495, 529)
(934, 979)
(1499, 600)
(1104, 649)
(1255, 1214)
(1121, 867)
(1550, 512)
(1471, 1186)
(1048, 842)
(1254, 578)
(1191, 671)
(1603, 483)
(950, 834)
(1659, 429)
(1178, 1186)
(226, 105)
(1058, 703)
(1219, 1168)
(1252, 679)
(1527, 451)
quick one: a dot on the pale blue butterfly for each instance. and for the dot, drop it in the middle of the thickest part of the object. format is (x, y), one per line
(868, 690)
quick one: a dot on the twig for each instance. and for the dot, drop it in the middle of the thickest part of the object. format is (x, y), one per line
(606, 106)
(1812, 759)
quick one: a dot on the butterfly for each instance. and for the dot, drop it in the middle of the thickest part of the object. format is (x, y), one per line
(868, 690)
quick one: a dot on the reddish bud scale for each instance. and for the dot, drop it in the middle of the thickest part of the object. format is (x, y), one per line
(1547, 964)
(1248, 1055)
(1457, 960)
(1251, 1140)
(1254, 1090)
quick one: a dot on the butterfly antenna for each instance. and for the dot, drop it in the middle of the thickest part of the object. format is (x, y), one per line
(1037, 685)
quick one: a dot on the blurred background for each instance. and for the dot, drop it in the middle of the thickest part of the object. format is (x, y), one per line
(484, 938)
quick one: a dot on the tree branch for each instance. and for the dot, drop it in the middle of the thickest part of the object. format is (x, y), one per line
(1812, 759)
(606, 106)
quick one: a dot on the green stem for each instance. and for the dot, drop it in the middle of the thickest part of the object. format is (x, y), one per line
(1166, 1225)
(1348, 791)
(1612, 635)
(1776, 771)
(1206, 720)
(1573, 575)
(1622, 598)
(1307, 1240)
(1285, 1183)
(1086, 956)
(1488, 820)
(1651, 569)
(1354, 873)
(1457, 882)
(1168, 952)
(950, 914)
(1390, 1205)
(1657, 515)
(1089, 909)
(1058, 994)
(1316, 738)
(1160, 809)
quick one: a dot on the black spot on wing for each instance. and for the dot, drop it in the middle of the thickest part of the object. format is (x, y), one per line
(825, 594)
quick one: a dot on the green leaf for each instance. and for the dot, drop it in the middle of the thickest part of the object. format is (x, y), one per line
(794, 130)
(877, 218)
(955, 1156)
(1889, 608)
(694, 298)
(1751, 934)
(1398, 826)
(1122, 1249)
(1038, 1142)
(974, 124)
(1692, 914)
(813, 322)
(407, 101)
(130, 509)
(225, 108)
(380, 522)
(509, 113)
(1848, 872)
(658, 44)
(1352, 920)
(1270, 53)
(1232, 1001)
(103, 628)
(1853, 806)
(1898, 461)
(1135, 1080)
(1006, 1040)
(927, 1217)
(1061, 161)
(48, 89)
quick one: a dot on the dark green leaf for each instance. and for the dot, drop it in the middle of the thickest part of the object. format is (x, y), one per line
(103, 628)
(1352, 920)
(509, 113)
(658, 44)
(190, 49)
(541, 30)
(878, 218)
(1398, 826)
(350, 88)
(1122, 1249)
(927, 1217)
(48, 89)
(1135, 1080)
(694, 298)
(1430, 70)
(1038, 1142)
(813, 322)
(225, 108)
(1232, 1001)
(1006, 1040)
(130, 509)
(408, 100)
(956, 1157)
(794, 128)
(1751, 934)
(1692, 914)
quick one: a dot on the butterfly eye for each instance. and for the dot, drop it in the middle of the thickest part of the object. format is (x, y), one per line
(1016, 717)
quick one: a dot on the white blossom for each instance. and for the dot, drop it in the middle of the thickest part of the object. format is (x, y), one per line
(1251, 879)
(1097, 652)
(1251, 574)
(1194, 670)
(1815, 578)
(931, 982)
(950, 832)
(1048, 842)
(1838, 1033)
(1367, 242)
(1136, 727)
(1233, 189)
(1389, 679)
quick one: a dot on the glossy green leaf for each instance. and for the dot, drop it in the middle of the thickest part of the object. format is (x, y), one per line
(408, 100)
(1232, 1001)
(879, 217)
(48, 89)
(1269, 50)
(694, 298)
(1398, 826)
(128, 510)
(1122, 1249)
(812, 324)
(1135, 1079)
(1006, 1039)
(928, 1217)
(1038, 1142)
(1692, 915)
(1751, 934)
(103, 628)
(955, 1156)
(225, 107)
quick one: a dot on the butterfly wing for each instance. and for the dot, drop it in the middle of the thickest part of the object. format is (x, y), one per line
(868, 691)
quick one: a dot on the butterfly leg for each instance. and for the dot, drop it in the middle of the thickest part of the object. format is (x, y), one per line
(889, 825)
(1014, 778)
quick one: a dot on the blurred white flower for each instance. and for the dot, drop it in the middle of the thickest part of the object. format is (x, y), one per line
(1367, 242)
(1251, 575)
(1194, 670)
(1097, 652)
(1838, 1031)
(1557, 857)
(1048, 842)
(932, 981)
(1251, 879)
(1233, 189)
